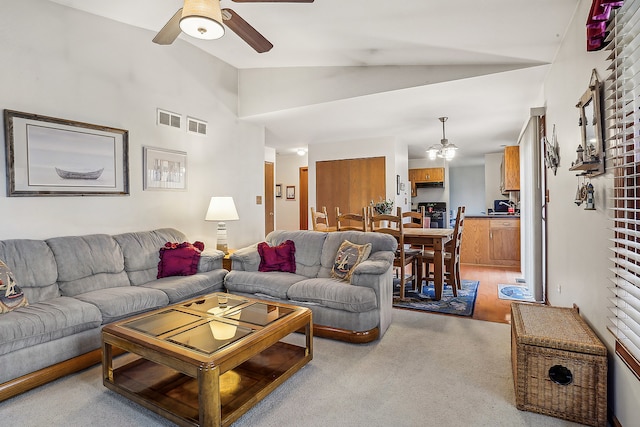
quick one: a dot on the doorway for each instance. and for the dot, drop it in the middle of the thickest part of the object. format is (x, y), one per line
(304, 198)
(269, 222)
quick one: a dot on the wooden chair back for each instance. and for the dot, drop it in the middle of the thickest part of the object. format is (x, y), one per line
(416, 219)
(320, 220)
(452, 255)
(351, 221)
(393, 225)
(453, 247)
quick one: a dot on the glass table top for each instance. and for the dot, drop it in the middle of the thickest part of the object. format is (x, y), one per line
(207, 325)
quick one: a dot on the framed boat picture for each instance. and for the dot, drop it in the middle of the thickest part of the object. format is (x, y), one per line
(47, 156)
(164, 169)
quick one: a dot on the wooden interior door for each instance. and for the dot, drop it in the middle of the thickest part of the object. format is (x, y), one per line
(304, 198)
(332, 187)
(349, 184)
(269, 186)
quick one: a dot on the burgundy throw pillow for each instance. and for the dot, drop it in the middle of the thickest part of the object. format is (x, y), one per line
(277, 258)
(179, 259)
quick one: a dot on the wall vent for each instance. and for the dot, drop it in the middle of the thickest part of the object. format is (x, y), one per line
(167, 118)
(196, 126)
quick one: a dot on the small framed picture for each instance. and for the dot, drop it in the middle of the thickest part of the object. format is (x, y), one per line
(291, 192)
(164, 169)
(279, 190)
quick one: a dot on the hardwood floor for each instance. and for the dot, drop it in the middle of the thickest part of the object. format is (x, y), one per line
(488, 306)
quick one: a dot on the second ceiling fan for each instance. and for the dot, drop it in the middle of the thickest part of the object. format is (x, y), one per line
(204, 19)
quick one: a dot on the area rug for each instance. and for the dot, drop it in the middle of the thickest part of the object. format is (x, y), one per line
(462, 305)
(515, 292)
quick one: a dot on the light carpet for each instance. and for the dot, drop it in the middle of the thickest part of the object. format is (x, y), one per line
(428, 370)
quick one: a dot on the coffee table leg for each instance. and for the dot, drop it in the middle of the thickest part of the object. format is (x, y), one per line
(107, 362)
(209, 396)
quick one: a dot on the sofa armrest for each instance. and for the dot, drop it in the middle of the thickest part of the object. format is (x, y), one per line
(246, 259)
(210, 259)
(378, 263)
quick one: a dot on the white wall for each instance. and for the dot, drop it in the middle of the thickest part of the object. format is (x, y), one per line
(68, 64)
(492, 178)
(288, 173)
(467, 189)
(578, 240)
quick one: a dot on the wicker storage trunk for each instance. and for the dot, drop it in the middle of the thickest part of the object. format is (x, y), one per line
(559, 364)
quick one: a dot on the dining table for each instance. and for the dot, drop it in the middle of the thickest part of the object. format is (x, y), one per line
(434, 238)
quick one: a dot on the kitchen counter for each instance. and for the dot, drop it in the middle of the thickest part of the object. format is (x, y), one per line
(491, 240)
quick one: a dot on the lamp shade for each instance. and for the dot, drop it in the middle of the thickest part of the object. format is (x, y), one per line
(202, 19)
(221, 208)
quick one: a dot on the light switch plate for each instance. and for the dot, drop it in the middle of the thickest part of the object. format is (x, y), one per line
(258, 200)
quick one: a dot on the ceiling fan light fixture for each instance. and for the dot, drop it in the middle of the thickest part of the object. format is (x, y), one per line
(202, 19)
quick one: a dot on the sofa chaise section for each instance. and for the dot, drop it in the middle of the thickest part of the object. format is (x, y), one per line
(76, 284)
(355, 311)
(51, 329)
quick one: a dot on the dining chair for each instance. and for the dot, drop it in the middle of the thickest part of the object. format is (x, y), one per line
(393, 225)
(351, 221)
(416, 219)
(320, 220)
(451, 256)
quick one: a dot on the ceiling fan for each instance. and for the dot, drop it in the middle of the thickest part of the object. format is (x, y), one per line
(203, 19)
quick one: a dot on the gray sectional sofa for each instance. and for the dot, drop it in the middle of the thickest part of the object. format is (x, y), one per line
(358, 311)
(75, 285)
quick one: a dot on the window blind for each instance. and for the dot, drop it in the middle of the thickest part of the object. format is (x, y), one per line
(622, 115)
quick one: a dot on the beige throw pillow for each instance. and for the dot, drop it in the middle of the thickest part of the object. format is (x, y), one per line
(348, 256)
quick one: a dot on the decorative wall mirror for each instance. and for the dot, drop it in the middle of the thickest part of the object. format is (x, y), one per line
(590, 152)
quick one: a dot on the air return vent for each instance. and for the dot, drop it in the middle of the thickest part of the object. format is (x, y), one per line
(196, 126)
(167, 118)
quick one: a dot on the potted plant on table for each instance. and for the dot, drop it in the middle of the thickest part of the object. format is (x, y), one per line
(383, 207)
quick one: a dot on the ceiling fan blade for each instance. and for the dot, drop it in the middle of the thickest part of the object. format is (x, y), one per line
(273, 1)
(245, 31)
(171, 30)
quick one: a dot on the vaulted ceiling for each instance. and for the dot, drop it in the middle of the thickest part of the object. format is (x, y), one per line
(354, 69)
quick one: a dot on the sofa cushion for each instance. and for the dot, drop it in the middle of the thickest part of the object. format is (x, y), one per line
(180, 288)
(379, 242)
(11, 296)
(88, 263)
(117, 303)
(308, 248)
(33, 267)
(179, 259)
(333, 293)
(273, 283)
(141, 252)
(277, 258)
(349, 255)
(46, 321)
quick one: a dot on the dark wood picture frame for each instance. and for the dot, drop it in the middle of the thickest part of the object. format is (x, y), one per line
(48, 156)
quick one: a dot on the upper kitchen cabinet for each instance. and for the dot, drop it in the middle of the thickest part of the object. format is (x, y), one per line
(511, 169)
(425, 177)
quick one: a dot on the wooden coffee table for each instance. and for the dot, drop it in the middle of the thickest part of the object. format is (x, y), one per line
(208, 360)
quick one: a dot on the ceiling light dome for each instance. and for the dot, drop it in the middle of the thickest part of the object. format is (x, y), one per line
(202, 19)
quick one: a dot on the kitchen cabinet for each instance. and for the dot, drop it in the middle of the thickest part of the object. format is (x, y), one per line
(491, 241)
(425, 176)
(511, 169)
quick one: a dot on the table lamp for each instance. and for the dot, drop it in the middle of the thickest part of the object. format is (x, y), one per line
(222, 209)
